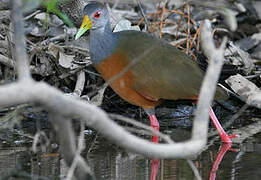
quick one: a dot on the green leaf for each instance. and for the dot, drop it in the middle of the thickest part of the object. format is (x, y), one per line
(51, 7)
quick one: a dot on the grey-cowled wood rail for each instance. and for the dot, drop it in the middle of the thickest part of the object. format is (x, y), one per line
(163, 73)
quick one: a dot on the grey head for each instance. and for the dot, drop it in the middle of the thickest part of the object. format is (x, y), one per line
(98, 14)
(95, 17)
(102, 41)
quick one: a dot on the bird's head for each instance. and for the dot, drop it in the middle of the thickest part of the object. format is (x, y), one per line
(96, 16)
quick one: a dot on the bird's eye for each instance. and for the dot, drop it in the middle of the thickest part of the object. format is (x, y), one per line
(97, 14)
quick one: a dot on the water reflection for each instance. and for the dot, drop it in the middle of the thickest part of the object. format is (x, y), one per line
(154, 164)
(131, 166)
(111, 162)
(221, 153)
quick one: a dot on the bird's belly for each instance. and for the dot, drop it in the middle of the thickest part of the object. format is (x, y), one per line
(114, 71)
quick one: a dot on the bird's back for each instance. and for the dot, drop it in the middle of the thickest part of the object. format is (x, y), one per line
(161, 70)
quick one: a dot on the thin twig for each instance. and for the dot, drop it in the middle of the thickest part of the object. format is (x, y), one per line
(161, 18)
(194, 169)
(37, 138)
(19, 39)
(157, 133)
(116, 2)
(216, 58)
(188, 29)
(129, 66)
(77, 157)
(144, 16)
(62, 107)
(199, 34)
(141, 125)
(66, 138)
(32, 15)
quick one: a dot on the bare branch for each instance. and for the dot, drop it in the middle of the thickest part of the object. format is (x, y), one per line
(37, 137)
(62, 108)
(152, 131)
(19, 39)
(77, 157)
(208, 87)
(144, 16)
(67, 145)
(55, 101)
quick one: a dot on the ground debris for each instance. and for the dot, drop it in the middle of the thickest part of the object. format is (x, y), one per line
(56, 58)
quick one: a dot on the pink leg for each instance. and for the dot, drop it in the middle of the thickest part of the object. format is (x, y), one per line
(154, 123)
(154, 164)
(223, 135)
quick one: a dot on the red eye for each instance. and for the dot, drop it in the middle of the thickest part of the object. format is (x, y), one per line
(97, 14)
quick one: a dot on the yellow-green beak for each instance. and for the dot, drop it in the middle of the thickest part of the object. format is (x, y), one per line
(86, 25)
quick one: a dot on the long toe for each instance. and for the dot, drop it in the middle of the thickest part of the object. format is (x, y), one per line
(227, 139)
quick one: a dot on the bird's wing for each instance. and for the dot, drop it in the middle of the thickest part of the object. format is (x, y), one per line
(161, 71)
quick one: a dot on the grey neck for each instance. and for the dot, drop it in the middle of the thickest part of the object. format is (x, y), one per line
(102, 43)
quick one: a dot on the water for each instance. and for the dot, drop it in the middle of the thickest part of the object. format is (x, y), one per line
(108, 161)
(111, 162)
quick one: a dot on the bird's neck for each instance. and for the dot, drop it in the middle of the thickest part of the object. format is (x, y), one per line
(102, 43)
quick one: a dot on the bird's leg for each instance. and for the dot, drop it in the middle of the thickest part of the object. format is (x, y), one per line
(154, 123)
(223, 135)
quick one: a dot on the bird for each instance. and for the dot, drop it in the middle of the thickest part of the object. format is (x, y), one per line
(141, 68)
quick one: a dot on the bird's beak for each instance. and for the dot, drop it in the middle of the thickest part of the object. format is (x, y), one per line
(86, 25)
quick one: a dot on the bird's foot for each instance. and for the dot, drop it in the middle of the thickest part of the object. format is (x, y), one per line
(227, 139)
(233, 150)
